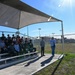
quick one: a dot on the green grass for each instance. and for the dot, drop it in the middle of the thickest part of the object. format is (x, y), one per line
(68, 48)
(67, 67)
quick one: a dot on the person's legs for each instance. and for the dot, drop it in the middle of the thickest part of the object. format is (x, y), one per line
(53, 50)
(43, 51)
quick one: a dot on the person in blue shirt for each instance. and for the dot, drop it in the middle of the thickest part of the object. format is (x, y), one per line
(17, 48)
(52, 44)
(2, 46)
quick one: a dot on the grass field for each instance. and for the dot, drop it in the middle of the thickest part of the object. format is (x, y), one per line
(67, 66)
(68, 48)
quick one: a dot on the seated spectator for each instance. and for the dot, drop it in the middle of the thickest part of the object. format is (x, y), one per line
(22, 40)
(26, 46)
(7, 43)
(11, 50)
(34, 49)
(17, 48)
(14, 40)
(9, 39)
(21, 45)
(13, 36)
(0, 50)
(2, 46)
(31, 48)
(3, 37)
(18, 39)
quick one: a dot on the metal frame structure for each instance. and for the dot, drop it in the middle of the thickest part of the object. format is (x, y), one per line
(25, 15)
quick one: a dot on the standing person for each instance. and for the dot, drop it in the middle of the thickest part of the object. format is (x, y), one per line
(42, 44)
(52, 43)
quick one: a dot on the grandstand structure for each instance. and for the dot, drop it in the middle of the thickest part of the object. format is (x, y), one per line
(16, 14)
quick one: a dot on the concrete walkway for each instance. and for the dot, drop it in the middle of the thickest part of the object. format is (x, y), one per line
(31, 66)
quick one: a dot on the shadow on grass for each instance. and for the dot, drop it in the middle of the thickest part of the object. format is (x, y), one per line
(46, 61)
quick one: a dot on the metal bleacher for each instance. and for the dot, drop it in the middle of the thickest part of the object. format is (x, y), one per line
(5, 62)
(3, 54)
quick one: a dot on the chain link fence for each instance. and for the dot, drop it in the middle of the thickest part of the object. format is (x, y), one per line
(69, 42)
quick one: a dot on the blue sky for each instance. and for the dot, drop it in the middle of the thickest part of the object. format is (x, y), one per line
(61, 9)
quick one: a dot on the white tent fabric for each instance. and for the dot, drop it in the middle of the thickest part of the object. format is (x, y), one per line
(16, 14)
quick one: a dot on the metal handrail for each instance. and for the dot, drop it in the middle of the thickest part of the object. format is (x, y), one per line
(5, 59)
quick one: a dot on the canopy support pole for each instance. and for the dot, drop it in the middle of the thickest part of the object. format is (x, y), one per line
(62, 36)
(27, 32)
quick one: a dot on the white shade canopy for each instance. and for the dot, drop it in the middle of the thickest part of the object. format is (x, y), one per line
(16, 14)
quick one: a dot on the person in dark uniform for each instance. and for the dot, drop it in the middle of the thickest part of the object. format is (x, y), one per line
(42, 44)
(30, 46)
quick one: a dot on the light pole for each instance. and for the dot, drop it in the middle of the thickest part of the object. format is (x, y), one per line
(39, 32)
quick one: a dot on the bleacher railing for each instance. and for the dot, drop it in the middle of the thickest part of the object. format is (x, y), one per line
(24, 58)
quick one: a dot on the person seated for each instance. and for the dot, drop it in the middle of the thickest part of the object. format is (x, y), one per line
(17, 48)
(2, 46)
(11, 50)
(26, 45)
(3, 37)
(34, 49)
(31, 48)
(9, 39)
(13, 39)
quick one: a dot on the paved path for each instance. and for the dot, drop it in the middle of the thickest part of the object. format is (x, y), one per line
(31, 66)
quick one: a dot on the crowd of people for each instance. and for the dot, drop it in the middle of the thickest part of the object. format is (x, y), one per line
(15, 45)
